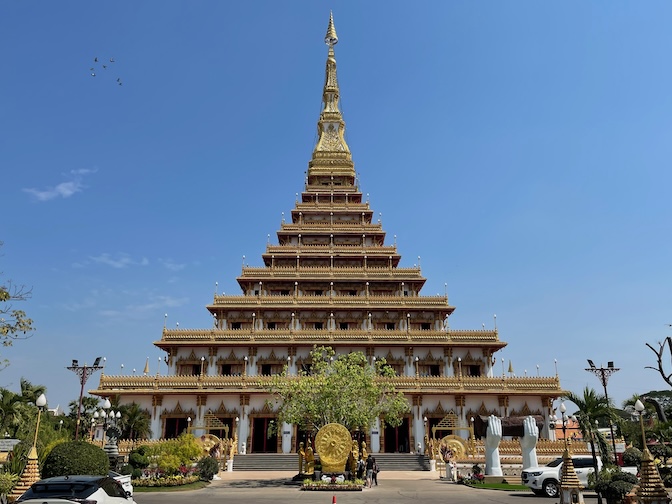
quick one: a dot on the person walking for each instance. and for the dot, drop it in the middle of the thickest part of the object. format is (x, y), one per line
(369, 470)
(376, 469)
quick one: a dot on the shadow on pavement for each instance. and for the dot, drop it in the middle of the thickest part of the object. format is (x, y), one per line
(265, 483)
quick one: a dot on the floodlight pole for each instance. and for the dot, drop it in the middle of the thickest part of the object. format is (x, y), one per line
(83, 372)
(603, 375)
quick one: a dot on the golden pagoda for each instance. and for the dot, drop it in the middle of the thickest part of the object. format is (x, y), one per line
(330, 280)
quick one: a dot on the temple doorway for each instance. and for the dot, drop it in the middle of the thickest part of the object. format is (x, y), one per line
(397, 439)
(264, 435)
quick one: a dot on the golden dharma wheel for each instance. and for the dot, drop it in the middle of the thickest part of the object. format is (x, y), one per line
(333, 442)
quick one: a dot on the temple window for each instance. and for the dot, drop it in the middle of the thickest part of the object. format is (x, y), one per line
(235, 325)
(425, 326)
(270, 325)
(389, 326)
(318, 325)
(343, 325)
(473, 370)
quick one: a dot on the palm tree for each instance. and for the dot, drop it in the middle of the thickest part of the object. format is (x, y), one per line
(31, 392)
(135, 422)
(592, 408)
(11, 412)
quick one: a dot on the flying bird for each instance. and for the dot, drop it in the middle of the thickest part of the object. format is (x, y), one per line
(111, 60)
(95, 60)
(104, 67)
(93, 74)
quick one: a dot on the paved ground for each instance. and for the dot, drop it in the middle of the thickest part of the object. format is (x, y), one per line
(396, 487)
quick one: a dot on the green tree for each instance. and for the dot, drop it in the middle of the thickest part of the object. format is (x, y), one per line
(30, 392)
(11, 412)
(135, 422)
(592, 407)
(14, 324)
(344, 389)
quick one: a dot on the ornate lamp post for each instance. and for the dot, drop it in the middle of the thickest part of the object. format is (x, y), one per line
(603, 375)
(31, 473)
(651, 488)
(83, 372)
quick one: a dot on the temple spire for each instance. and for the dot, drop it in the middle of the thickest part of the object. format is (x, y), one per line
(331, 150)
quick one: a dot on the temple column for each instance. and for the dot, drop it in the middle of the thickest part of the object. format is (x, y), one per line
(375, 437)
(286, 437)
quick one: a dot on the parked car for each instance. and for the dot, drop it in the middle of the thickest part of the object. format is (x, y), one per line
(124, 479)
(545, 480)
(76, 489)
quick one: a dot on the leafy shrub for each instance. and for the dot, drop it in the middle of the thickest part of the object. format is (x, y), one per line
(632, 457)
(207, 468)
(476, 469)
(76, 457)
(138, 458)
(7, 482)
(613, 491)
(172, 454)
(126, 469)
(625, 476)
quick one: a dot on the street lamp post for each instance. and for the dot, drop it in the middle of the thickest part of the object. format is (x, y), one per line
(651, 488)
(83, 372)
(603, 375)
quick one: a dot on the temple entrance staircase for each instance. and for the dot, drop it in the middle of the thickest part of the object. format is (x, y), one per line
(289, 462)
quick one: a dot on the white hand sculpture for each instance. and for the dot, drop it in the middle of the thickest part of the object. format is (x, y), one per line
(528, 443)
(493, 435)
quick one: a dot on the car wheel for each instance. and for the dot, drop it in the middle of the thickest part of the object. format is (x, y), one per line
(550, 488)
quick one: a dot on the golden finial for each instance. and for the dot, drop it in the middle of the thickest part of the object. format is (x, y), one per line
(331, 39)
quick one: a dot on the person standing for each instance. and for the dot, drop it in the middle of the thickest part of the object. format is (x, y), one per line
(369, 470)
(375, 471)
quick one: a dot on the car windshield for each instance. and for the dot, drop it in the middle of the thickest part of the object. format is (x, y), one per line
(555, 463)
(60, 489)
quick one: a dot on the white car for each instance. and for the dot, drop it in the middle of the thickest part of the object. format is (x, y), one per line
(124, 479)
(545, 480)
(76, 489)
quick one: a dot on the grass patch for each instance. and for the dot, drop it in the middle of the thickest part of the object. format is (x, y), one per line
(181, 488)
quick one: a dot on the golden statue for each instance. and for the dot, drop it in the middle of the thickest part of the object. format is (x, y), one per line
(333, 442)
(365, 455)
(353, 457)
(310, 460)
(302, 454)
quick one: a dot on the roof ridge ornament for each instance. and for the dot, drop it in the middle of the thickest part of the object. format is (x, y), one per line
(331, 153)
(331, 39)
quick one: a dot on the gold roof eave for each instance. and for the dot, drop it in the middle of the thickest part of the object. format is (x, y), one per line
(511, 386)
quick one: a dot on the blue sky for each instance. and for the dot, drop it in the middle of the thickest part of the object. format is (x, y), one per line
(522, 149)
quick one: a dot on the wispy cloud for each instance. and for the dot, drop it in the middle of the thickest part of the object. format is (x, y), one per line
(119, 261)
(171, 265)
(153, 304)
(64, 189)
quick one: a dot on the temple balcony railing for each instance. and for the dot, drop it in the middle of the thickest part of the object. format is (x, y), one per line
(407, 384)
(329, 272)
(391, 302)
(336, 225)
(372, 249)
(328, 204)
(378, 336)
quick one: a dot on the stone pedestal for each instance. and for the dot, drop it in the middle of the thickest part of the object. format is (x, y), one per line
(229, 466)
(432, 465)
